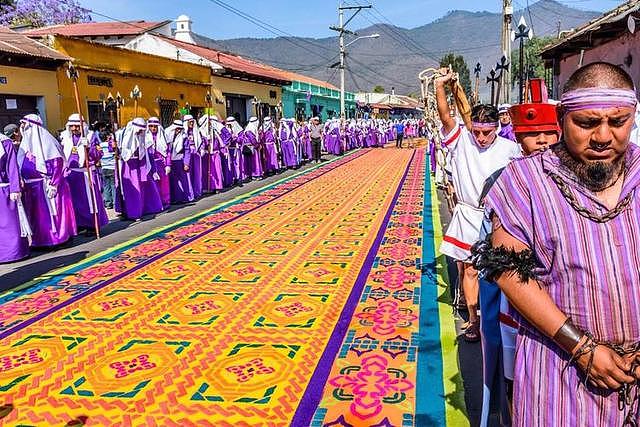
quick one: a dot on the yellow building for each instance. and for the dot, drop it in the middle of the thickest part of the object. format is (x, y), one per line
(28, 79)
(167, 86)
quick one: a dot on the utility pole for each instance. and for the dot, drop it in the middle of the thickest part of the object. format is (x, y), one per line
(342, 31)
(507, 17)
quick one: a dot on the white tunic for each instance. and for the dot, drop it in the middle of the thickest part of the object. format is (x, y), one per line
(470, 167)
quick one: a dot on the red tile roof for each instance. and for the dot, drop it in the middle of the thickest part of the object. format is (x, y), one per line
(232, 62)
(91, 29)
(17, 44)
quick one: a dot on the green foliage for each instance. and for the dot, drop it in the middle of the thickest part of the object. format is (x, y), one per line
(378, 89)
(533, 63)
(459, 66)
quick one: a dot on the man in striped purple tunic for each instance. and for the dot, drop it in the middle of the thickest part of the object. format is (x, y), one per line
(565, 250)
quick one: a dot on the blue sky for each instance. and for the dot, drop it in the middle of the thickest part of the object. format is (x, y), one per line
(299, 17)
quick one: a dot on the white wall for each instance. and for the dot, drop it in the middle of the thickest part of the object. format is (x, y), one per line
(148, 43)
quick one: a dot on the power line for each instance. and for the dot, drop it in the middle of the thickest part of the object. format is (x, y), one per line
(272, 29)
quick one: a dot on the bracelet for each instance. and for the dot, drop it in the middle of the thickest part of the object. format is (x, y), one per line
(568, 336)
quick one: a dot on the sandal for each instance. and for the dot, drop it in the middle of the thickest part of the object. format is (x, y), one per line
(472, 333)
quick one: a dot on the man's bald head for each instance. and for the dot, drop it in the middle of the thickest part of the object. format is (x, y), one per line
(599, 74)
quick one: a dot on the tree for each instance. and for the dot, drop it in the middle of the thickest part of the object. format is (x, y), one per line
(378, 89)
(459, 66)
(533, 64)
(39, 13)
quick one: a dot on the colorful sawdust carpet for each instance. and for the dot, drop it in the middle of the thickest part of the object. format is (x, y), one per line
(310, 302)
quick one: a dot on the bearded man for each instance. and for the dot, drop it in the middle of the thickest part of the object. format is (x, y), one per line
(564, 251)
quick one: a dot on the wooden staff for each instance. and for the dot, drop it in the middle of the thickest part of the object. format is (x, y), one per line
(207, 98)
(116, 153)
(72, 73)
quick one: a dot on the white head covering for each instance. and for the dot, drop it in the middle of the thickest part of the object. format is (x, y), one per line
(503, 108)
(177, 141)
(39, 142)
(267, 124)
(287, 126)
(67, 137)
(235, 126)
(131, 142)
(3, 138)
(216, 125)
(161, 138)
(197, 138)
(252, 126)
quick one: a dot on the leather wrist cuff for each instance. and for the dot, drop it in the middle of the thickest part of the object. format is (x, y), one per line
(568, 336)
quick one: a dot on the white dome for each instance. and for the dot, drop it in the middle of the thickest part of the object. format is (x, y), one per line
(183, 18)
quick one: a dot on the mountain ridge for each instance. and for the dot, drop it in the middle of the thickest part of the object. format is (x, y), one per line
(399, 54)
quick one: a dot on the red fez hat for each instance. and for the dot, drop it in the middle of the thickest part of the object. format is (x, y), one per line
(536, 116)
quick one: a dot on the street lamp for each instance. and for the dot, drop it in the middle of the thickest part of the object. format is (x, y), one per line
(343, 54)
(523, 32)
(370, 36)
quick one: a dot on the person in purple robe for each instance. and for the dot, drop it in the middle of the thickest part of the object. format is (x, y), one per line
(210, 130)
(179, 179)
(381, 134)
(236, 160)
(253, 136)
(47, 196)
(158, 150)
(506, 127)
(564, 229)
(270, 146)
(334, 138)
(226, 138)
(14, 225)
(306, 141)
(370, 135)
(137, 182)
(85, 190)
(391, 131)
(288, 144)
(194, 151)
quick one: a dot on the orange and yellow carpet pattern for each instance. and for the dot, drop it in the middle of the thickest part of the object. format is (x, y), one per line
(297, 305)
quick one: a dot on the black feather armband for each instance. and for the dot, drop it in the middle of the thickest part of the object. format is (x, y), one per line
(492, 262)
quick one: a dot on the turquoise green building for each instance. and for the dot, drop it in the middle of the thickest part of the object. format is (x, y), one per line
(306, 97)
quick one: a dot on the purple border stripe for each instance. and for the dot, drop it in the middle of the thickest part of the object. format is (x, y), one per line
(40, 316)
(313, 394)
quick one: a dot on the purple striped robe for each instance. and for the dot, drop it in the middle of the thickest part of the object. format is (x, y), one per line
(590, 270)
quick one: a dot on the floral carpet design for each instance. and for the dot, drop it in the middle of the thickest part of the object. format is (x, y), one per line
(300, 304)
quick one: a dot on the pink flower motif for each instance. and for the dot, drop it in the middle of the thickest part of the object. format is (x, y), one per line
(29, 357)
(245, 271)
(128, 367)
(118, 303)
(173, 269)
(386, 317)
(247, 371)
(293, 309)
(398, 251)
(151, 248)
(102, 271)
(319, 272)
(190, 230)
(202, 307)
(395, 277)
(370, 384)
(29, 305)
